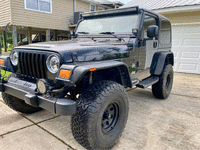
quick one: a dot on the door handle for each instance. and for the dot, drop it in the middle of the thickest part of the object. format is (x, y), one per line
(155, 44)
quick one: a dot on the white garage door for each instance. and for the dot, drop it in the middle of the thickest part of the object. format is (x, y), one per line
(186, 48)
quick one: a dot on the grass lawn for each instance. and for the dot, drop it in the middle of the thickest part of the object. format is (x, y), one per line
(7, 73)
(8, 49)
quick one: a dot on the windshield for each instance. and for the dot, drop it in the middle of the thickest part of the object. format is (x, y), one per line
(117, 24)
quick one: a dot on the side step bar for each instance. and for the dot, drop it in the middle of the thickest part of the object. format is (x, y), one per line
(147, 82)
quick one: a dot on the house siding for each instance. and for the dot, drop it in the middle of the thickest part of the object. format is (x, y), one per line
(82, 6)
(62, 13)
(183, 17)
(5, 12)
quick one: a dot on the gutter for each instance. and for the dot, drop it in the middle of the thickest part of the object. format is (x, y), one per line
(182, 24)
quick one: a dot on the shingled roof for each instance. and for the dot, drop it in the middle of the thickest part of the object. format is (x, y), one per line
(103, 1)
(108, 2)
(161, 4)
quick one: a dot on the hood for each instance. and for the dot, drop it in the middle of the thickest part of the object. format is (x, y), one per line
(85, 50)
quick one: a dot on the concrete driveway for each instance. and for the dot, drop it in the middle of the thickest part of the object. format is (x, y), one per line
(152, 125)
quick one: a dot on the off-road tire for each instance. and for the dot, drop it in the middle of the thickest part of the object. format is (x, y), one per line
(88, 124)
(163, 87)
(18, 104)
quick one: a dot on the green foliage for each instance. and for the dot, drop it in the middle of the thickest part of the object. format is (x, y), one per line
(5, 73)
(9, 39)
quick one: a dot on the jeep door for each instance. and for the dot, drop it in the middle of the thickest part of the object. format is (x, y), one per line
(147, 46)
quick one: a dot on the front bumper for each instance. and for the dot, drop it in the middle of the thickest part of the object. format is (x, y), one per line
(26, 91)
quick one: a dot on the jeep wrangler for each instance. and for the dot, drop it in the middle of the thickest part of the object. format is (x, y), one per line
(87, 77)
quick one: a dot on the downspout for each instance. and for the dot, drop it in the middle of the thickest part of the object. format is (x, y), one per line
(74, 6)
(74, 10)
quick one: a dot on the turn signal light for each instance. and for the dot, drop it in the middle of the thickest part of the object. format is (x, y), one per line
(2, 61)
(93, 69)
(65, 73)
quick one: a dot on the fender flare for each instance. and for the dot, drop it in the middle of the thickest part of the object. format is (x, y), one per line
(79, 70)
(7, 66)
(159, 60)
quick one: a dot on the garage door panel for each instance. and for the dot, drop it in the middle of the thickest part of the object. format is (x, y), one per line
(186, 48)
(190, 55)
(176, 42)
(188, 61)
(187, 66)
(190, 35)
(191, 42)
(191, 29)
(176, 30)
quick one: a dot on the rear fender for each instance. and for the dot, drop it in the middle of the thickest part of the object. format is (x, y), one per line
(160, 59)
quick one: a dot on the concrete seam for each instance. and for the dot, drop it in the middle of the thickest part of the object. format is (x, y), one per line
(158, 139)
(38, 126)
(184, 136)
(15, 130)
(55, 137)
(184, 95)
(48, 131)
(33, 123)
(47, 119)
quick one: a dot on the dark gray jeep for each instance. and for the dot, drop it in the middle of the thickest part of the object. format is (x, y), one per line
(87, 76)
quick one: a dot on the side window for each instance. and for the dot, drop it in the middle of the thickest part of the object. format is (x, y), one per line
(148, 20)
(165, 32)
(92, 7)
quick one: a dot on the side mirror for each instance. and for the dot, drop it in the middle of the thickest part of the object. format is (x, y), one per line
(73, 34)
(152, 31)
(135, 32)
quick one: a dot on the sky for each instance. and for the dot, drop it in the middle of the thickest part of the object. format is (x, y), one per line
(123, 1)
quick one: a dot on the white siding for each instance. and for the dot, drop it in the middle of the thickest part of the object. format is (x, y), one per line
(5, 12)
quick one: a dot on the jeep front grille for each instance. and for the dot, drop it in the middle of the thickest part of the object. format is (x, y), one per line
(32, 64)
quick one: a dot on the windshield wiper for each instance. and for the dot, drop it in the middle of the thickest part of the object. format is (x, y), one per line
(112, 33)
(86, 33)
(83, 32)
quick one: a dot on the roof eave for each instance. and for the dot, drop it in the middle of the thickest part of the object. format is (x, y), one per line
(96, 3)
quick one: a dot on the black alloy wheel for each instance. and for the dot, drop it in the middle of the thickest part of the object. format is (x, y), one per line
(110, 117)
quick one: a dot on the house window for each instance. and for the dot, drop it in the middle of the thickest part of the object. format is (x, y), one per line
(39, 5)
(92, 7)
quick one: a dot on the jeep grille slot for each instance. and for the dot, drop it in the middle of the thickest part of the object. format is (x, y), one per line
(32, 65)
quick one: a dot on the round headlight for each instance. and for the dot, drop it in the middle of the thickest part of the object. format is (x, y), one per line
(53, 63)
(14, 58)
(41, 85)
